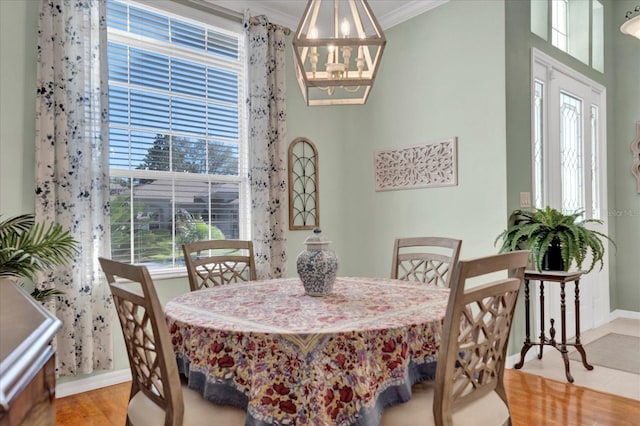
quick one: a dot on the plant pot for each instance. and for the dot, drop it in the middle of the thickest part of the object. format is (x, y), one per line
(552, 259)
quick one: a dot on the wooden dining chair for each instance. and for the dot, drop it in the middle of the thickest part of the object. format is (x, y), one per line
(219, 262)
(425, 259)
(158, 397)
(469, 388)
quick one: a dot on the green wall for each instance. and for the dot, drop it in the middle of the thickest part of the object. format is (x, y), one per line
(443, 74)
(622, 80)
(18, 41)
(325, 127)
(624, 112)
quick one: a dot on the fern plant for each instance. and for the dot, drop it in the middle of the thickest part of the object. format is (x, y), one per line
(27, 247)
(537, 230)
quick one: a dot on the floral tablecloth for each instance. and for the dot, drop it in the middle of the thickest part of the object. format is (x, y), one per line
(292, 359)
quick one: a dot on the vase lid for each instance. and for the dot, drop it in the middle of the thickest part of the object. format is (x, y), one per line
(316, 239)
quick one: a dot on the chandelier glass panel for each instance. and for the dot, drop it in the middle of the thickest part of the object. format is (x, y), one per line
(337, 49)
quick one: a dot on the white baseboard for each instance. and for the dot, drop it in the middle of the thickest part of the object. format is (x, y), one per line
(92, 382)
(619, 313)
(513, 359)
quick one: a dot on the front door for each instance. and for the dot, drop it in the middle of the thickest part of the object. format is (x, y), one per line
(569, 164)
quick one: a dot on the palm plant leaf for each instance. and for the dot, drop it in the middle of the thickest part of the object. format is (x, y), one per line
(45, 294)
(15, 224)
(27, 247)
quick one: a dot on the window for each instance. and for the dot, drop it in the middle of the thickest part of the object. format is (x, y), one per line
(571, 152)
(538, 150)
(559, 24)
(595, 162)
(576, 27)
(597, 36)
(177, 146)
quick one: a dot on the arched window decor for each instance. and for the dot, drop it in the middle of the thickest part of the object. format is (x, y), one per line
(304, 192)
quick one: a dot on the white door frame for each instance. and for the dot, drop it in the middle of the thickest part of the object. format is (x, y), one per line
(547, 69)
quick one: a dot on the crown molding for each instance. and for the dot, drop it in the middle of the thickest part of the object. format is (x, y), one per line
(408, 10)
(256, 8)
(282, 14)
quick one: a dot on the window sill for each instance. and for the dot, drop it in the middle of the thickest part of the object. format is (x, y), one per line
(168, 274)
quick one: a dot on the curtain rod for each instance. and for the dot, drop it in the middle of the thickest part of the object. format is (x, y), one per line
(206, 6)
(256, 20)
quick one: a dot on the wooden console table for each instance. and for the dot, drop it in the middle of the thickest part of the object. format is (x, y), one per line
(562, 278)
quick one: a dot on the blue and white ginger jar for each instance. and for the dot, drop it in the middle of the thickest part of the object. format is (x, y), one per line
(317, 265)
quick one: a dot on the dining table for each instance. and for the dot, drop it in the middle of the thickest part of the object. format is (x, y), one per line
(288, 358)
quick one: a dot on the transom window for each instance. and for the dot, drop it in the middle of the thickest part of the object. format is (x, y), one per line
(177, 146)
(559, 24)
(573, 26)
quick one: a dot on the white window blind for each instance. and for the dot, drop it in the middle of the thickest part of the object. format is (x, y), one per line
(176, 136)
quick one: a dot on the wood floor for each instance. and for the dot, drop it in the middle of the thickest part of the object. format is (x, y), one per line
(534, 400)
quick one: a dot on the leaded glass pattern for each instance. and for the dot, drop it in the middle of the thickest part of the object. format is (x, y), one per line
(571, 153)
(538, 171)
(595, 160)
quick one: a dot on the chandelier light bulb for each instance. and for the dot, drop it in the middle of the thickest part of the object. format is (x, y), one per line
(345, 28)
(330, 48)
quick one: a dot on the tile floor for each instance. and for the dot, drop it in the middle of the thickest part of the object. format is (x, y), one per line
(600, 378)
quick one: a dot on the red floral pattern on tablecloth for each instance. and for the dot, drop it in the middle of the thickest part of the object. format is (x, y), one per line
(304, 360)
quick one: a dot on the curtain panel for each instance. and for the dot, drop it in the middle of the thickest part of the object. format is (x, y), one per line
(267, 145)
(72, 175)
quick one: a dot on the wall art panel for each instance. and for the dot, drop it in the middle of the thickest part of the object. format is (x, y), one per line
(432, 164)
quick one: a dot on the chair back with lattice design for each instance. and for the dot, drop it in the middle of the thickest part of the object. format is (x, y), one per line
(219, 262)
(425, 259)
(473, 349)
(154, 370)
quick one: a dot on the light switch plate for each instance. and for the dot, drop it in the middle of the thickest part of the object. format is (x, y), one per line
(525, 200)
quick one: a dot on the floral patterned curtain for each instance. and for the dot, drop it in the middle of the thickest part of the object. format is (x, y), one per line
(72, 174)
(267, 145)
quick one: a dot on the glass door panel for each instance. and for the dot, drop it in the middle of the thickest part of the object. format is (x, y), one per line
(571, 158)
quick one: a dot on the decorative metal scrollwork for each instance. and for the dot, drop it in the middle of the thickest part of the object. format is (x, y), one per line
(304, 191)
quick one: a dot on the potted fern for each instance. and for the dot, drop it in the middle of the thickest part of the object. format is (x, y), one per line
(555, 239)
(27, 247)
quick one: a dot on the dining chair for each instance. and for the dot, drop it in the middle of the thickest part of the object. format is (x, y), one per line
(217, 262)
(158, 396)
(469, 387)
(425, 259)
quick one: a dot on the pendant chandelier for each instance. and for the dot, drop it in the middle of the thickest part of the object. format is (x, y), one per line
(337, 49)
(632, 24)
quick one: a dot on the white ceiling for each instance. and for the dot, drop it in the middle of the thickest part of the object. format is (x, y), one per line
(288, 12)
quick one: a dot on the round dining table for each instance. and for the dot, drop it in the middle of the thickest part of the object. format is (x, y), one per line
(292, 359)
